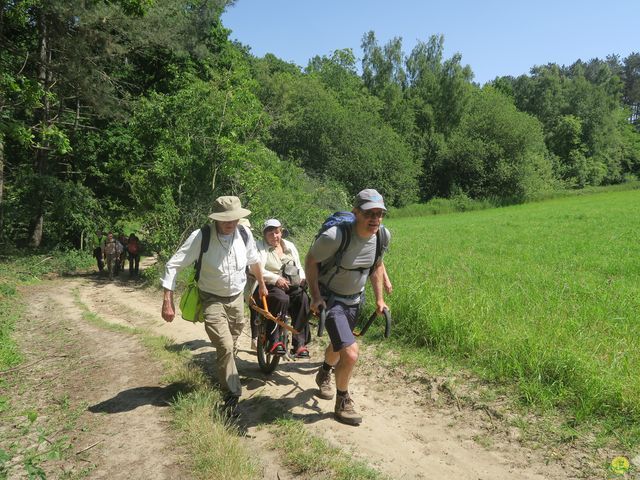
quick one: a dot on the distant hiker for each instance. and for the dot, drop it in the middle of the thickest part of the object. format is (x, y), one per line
(337, 275)
(122, 238)
(221, 283)
(118, 263)
(98, 246)
(285, 279)
(133, 247)
(111, 253)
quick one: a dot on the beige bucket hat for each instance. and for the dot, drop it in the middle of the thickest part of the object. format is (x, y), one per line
(228, 209)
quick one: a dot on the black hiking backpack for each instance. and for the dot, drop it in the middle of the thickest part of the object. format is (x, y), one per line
(204, 245)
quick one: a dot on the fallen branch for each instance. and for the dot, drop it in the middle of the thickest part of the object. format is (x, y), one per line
(445, 387)
(90, 446)
(20, 367)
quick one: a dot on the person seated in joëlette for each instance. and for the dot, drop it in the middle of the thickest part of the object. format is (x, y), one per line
(285, 280)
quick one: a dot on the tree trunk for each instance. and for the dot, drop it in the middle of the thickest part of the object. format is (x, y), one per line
(42, 150)
(1, 189)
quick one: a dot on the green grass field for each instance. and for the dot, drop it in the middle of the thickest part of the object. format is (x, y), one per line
(544, 295)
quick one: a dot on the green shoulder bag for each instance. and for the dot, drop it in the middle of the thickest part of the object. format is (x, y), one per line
(190, 304)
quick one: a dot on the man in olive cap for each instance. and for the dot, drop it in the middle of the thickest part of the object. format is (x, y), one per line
(221, 284)
(336, 282)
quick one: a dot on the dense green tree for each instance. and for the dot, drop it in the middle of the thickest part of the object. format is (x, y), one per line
(495, 151)
(438, 92)
(583, 118)
(206, 140)
(384, 74)
(328, 123)
(84, 60)
(631, 77)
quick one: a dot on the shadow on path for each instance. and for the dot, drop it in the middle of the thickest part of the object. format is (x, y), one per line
(133, 398)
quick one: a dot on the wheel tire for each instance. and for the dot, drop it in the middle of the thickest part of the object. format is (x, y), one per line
(267, 362)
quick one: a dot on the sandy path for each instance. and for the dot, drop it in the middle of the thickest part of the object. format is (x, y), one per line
(122, 430)
(406, 433)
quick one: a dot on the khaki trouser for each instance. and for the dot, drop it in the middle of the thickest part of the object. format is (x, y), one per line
(111, 258)
(223, 322)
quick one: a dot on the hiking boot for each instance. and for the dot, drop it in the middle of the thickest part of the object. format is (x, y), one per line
(345, 411)
(323, 380)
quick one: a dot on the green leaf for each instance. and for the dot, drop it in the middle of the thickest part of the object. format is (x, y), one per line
(55, 454)
(4, 456)
(34, 470)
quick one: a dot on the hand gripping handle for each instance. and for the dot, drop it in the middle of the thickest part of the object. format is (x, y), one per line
(387, 328)
(323, 319)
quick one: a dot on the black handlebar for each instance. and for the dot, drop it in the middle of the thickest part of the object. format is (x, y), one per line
(387, 318)
(323, 319)
(387, 327)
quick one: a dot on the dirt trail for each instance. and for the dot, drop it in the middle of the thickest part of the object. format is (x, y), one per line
(410, 431)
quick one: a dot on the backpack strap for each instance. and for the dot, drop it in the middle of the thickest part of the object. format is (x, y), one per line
(345, 239)
(244, 234)
(204, 246)
(345, 230)
(382, 244)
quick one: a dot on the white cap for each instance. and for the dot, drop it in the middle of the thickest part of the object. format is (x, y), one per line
(272, 222)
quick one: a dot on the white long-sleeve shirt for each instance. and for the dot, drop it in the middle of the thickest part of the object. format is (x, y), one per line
(223, 264)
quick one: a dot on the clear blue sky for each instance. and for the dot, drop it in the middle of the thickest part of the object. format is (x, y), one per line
(494, 37)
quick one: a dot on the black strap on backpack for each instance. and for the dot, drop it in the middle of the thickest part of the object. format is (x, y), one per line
(345, 229)
(204, 246)
(345, 239)
(244, 234)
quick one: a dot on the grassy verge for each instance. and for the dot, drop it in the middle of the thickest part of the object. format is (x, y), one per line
(542, 295)
(309, 456)
(23, 269)
(31, 435)
(11, 309)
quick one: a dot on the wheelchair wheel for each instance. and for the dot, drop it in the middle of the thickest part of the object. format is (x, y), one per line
(267, 362)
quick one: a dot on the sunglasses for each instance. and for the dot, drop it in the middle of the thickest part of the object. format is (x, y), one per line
(372, 214)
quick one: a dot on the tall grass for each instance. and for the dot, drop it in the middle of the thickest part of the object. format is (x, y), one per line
(461, 203)
(11, 308)
(546, 295)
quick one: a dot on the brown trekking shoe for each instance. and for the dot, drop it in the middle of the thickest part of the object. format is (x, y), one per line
(345, 411)
(323, 379)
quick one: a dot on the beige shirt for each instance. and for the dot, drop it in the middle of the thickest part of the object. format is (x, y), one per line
(271, 265)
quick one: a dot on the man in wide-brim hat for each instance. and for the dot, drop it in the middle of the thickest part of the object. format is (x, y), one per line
(227, 250)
